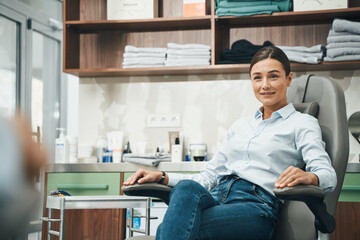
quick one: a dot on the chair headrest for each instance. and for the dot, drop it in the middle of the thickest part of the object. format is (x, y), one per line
(311, 108)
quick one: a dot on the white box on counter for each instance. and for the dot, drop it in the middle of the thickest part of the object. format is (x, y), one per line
(313, 5)
(132, 9)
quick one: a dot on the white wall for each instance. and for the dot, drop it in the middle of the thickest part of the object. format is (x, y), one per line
(208, 105)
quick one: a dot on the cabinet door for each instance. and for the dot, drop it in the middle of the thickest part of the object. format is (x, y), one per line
(88, 224)
(347, 213)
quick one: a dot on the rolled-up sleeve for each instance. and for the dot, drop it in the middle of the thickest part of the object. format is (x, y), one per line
(309, 143)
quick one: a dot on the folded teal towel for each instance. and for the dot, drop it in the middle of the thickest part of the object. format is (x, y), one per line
(284, 5)
(247, 11)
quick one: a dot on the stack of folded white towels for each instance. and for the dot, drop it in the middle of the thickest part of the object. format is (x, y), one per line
(343, 42)
(137, 57)
(187, 55)
(311, 55)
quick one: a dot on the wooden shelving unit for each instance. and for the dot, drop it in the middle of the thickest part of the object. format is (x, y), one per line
(93, 46)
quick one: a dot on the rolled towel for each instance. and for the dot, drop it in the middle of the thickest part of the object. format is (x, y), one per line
(313, 49)
(144, 54)
(335, 52)
(147, 159)
(343, 58)
(343, 45)
(341, 25)
(349, 38)
(133, 49)
(157, 155)
(188, 46)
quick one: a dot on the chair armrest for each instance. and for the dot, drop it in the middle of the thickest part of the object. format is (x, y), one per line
(313, 197)
(149, 190)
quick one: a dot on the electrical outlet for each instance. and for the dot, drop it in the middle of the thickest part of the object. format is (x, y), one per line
(164, 120)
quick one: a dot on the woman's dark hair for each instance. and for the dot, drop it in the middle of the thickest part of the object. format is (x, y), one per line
(273, 53)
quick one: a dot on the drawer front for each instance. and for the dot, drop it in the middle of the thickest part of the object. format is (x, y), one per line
(82, 184)
(350, 191)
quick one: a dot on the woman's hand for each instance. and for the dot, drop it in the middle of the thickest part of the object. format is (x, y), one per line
(144, 176)
(293, 176)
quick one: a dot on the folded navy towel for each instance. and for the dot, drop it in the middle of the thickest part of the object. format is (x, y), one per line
(341, 25)
(241, 51)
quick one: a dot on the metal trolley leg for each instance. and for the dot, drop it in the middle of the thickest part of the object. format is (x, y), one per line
(62, 220)
(49, 223)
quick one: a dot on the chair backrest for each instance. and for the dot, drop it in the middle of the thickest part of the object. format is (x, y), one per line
(296, 220)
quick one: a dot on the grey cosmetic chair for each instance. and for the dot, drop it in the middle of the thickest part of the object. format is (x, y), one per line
(307, 212)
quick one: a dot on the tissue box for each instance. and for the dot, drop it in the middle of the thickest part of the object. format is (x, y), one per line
(313, 5)
(194, 8)
(132, 9)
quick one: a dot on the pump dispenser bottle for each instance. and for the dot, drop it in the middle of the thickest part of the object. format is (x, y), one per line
(176, 151)
(60, 147)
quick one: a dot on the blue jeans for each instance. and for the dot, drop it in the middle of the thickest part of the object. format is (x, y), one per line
(234, 209)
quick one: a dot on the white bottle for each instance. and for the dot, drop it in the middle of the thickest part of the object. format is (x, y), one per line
(61, 147)
(176, 151)
(73, 149)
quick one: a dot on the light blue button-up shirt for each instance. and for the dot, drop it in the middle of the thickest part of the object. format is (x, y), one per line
(260, 150)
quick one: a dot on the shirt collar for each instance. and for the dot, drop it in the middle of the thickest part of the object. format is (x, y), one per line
(283, 112)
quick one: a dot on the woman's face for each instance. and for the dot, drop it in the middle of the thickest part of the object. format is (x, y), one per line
(269, 82)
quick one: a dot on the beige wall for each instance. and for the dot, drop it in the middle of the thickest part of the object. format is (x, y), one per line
(208, 105)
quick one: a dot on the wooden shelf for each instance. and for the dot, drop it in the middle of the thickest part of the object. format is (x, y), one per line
(157, 24)
(94, 47)
(290, 18)
(211, 69)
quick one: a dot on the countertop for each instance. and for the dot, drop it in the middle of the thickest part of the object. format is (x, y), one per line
(124, 167)
(131, 167)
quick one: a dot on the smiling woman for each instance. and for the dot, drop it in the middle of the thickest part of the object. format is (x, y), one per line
(259, 152)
